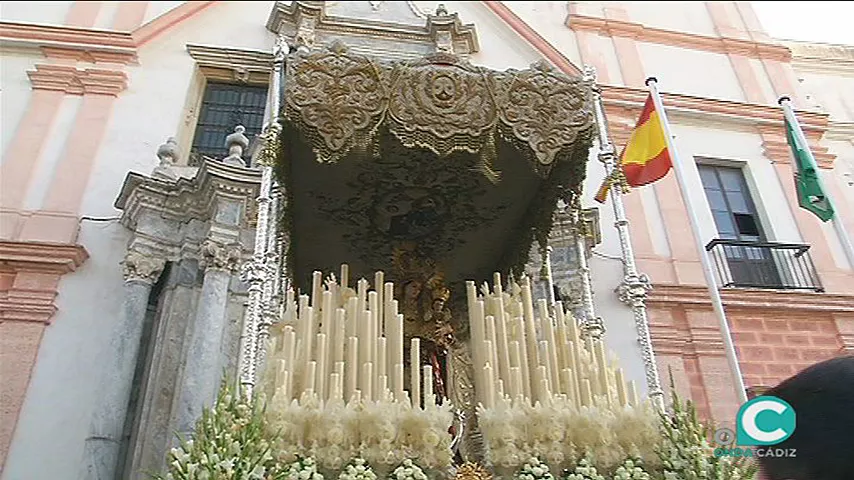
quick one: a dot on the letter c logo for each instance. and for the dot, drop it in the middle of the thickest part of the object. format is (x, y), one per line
(765, 421)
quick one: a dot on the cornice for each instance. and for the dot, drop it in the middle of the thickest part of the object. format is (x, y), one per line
(75, 81)
(41, 257)
(83, 44)
(790, 300)
(186, 198)
(621, 28)
(727, 110)
(841, 131)
(303, 20)
(822, 58)
(251, 66)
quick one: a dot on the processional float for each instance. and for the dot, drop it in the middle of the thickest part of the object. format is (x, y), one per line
(411, 184)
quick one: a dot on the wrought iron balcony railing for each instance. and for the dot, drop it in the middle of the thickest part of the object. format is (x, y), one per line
(744, 264)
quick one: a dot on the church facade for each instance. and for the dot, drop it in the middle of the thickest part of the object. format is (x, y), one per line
(130, 179)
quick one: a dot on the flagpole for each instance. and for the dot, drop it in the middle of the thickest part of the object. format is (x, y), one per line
(838, 225)
(711, 282)
(634, 287)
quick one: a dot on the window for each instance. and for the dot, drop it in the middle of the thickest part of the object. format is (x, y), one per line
(749, 259)
(732, 208)
(225, 106)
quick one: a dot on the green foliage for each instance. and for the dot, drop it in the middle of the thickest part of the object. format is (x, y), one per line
(228, 444)
(686, 453)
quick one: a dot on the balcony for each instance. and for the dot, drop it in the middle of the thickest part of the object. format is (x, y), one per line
(744, 264)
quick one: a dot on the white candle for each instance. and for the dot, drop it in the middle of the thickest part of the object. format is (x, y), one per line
(289, 350)
(602, 364)
(334, 392)
(382, 389)
(525, 364)
(549, 333)
(415, 372)
(321, 366)
(398, 381)
(379, 284)
(351, 319)
(489, 396)
(428, 386)
(633, 394)
(309, 334)
(586, 395)
(622, 397)
(311, 377)
(345, 276)
(569, 383)
(545, 364)
(281, 371)
(398, 330)
(374, 307)
(382, 359)
(530, 331)
(316, 285)
(518, 391)
(542, 385)
(352, 366)
(561, 340)
(339, 335)
(502, 335)
(364, 342)
(362, 295)
(286, 388)
(367, 377)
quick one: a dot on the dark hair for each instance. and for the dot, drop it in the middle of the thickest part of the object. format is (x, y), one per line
(823, 399)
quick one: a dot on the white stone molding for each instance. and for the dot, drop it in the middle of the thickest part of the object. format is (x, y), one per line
(309, 24)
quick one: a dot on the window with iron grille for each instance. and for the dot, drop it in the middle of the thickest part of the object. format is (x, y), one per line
(225, 106)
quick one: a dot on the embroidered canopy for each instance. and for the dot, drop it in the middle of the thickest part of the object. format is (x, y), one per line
(457, 162)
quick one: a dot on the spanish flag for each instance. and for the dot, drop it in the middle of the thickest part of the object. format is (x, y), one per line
(645, 158)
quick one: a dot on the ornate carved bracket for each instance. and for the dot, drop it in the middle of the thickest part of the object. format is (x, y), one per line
(216, 255)
(141, 267)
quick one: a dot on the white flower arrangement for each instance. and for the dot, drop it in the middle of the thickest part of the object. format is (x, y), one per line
(358, 469)
(408, 470)
(534, 469)
(303, 469)
(631, 470)
(229, 442)
(557, 432)
(384, 433)
(584, 471)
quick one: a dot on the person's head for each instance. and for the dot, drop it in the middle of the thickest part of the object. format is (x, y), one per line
(823, 441)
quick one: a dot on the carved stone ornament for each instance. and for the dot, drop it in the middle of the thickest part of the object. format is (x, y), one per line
(142, 267)
(216, 256)
(442, 103)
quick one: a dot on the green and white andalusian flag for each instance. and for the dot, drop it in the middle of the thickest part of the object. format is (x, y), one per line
(807, 182)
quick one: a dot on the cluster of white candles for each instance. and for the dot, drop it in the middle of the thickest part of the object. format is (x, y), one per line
(521, 356)
(341, 344)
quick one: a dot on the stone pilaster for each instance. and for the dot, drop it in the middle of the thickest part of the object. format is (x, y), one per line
(204, 363)
(102, 446)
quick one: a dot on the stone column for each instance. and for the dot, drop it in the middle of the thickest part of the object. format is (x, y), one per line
(203, 365)
(102, 447)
